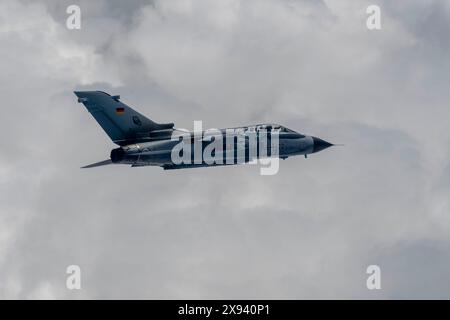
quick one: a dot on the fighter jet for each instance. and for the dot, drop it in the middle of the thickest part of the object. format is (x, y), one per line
(143, 142)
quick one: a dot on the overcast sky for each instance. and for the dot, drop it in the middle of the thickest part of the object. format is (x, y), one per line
(308, 232)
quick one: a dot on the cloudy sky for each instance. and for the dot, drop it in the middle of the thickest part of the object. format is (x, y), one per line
(308, 232)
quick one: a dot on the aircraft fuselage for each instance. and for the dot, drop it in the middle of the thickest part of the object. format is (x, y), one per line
(233, 146)
(144, 142)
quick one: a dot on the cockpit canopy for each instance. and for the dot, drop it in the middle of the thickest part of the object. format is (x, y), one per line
(273, 126)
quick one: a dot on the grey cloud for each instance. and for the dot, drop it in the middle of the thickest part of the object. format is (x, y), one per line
(308, 232)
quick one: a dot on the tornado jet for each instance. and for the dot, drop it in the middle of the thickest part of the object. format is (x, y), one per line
(143, 142)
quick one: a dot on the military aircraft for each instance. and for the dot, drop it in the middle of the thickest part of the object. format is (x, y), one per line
(144, 142)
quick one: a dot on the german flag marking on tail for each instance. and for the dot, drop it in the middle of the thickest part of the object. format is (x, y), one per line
(120, 111)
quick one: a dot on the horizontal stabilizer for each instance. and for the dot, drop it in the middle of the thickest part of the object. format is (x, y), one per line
(98, 164)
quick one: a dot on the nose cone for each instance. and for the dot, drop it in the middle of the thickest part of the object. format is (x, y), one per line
(320, 144)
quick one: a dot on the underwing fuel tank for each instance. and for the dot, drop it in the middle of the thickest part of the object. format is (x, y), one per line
(142, 151)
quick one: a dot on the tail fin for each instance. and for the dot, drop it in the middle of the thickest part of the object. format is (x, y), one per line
(120, 122)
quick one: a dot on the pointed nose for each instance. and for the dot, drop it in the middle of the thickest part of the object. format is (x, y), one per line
(320, 144)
